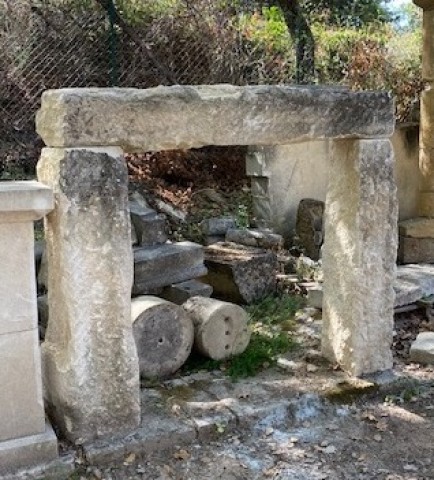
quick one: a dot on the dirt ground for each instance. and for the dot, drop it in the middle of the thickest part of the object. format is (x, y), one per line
(388, 435)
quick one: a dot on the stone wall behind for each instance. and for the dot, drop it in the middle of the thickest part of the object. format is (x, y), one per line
(283, 175)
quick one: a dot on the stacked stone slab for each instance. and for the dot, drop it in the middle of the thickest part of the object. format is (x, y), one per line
(254, 237)
(214, 229)
(160, 264)
(240, 274)
(416, 235)
(90, 360)
(25, 438)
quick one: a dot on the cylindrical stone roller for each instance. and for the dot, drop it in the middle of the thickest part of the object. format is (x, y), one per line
(163, 333)
(220, 328)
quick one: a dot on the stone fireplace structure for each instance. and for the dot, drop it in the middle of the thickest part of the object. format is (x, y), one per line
(89, 357)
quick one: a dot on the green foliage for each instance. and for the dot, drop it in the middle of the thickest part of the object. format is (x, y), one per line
(335, 48)
(345, 13)
(267, 29)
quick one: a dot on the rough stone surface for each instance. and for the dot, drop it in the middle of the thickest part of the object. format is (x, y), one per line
(91, 371)
(422, 349)
(162, 265)
(413, 282)
(220, 328)
(149, 226)
(359, 256)
(315, 297)
(240, 274)
(255, 238)
(309, 226)
(163, 333)
(180, 292)
(165, 118)
(150, 229)
(417, 228)
(416, 250)
(28, 451)
(217, 226)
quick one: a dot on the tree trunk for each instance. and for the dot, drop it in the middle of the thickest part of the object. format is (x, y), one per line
(301, 33)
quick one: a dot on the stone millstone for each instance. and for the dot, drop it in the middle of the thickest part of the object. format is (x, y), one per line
(163, 333)
(220, 328)
(240, 274)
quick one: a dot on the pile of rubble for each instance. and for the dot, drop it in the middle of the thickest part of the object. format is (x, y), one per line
(172, 311)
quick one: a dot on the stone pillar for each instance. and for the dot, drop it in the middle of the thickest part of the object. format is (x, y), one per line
(359, 256)
(91, 369)
(25, 439)
(426, 154)
(416, 235)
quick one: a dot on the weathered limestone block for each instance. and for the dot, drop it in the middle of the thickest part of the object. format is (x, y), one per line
(417, 228)
(422, 349)
(150, 228)
(240, 274)
(163, 333)
(309, 226)
(91, 370)
(259, 238)
(359, 256)
(416, 250)
(165, 118)
(162, 265)
(217, 226)
(220, 328)
(180, 292)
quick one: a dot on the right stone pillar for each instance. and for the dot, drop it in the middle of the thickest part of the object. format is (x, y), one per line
(359, 257)
(426, 154)
(417, 235)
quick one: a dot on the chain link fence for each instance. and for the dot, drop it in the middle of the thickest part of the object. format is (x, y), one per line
(53, 44)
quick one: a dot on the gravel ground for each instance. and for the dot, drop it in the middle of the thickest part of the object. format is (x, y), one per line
(388, 435)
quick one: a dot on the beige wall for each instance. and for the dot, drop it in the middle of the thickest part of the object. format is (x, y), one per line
(283, 175)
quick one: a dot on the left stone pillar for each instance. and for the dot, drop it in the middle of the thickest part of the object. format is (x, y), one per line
(91, 369)
(25, 438)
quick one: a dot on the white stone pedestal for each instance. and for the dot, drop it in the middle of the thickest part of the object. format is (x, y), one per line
(24, 437)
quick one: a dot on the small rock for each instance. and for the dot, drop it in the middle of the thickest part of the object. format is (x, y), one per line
(269, 431)
(422, 349)
(311, 368)
(410, 468)
(377, 438)
(330, 449)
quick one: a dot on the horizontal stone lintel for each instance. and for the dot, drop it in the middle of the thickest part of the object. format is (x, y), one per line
(165, 118)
